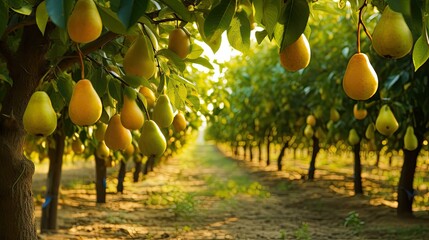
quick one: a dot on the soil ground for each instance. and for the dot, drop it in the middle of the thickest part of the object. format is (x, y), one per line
(203, 193)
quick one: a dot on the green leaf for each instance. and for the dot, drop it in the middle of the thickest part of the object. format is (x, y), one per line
(59, 10)
(239, 32)
(133, 81)
(111, 20)
(176, 60)
(295, 16)
(218, 20)
(65, 86)
(196, 51)
(193, 102)
(24, 10)
(201, 61)
(130, 11)
(42, 17)
(421, 51)
(260, 36)
(259, 10)
(271, 14)
(4, 17)
(402, 6)
(115, 90)
(178, 7)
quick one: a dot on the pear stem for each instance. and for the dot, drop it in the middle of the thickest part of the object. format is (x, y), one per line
(361, 24)
(81, 61)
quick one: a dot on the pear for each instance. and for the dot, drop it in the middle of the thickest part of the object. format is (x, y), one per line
(117, 137)
(386, 123)
(410, 139)
(359, 114)
(100, 131)
(129, 150)
(102, 150)
(179, 122)
(84, 24)
(391, 37)
(39, 115)
(353, 137)
(308, 131)
(311, 120)
(85, 105)
(178, 42)
(297, 55)
(131, 115)
(163, 112)
(334, 115)
(149, 95)
(360, 81)
(370, 131)
(152, 142)
(77, 146)
(139, 59)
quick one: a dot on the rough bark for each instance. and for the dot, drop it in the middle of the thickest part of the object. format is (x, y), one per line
(357, 170)
(315, 151)
(100, 179)
(121, 177)
(50, 206)
(281, 155)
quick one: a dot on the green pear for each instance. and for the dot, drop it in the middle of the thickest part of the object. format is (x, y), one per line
(410, 139)
(152, 142)
(370, 131)
(308, 131)
(334, 115)
(139, 59)
(391, 37)
(163, 113)
(386, 123)
(353, 137)
(100, 131)
(39, 116)
(102, 150)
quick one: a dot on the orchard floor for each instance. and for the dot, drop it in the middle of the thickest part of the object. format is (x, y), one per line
(205, 194)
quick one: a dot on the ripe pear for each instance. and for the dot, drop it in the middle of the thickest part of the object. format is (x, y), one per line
(334, 115)
(117, 137)
(39, 116)
(311, 120)
(100, 131)
(178, 42)
(139, 59)
(392, 38)
(149, 95)
(131, 115)
(129, 150)
(84, 24)
(370, 131)
(359, 114)
(353, 137)
(102, 150)
(85, 105)
(386, 123)
(308, 131)
(163, 113)
(179, 122)
(297, 55)
(152, 142)
(360, 81)
(410, 139)
(77, 146)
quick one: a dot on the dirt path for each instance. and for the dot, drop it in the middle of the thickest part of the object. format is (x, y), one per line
(201, 194)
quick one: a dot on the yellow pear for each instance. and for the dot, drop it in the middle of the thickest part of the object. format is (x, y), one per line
(391, 37)
(77, 146)
(334, 115)
(360, 81)
(359, 114)
(100, 131)
(163, 113)
(84, 24)
(311, 120)
(139, 59)
(178, 42)
(370, 131)
(131, 115)
(386, 123)
(117, 137)
(102, 150)
(297, 55)
(353, 137)
(152, 142)
(308, 131)
(39, 116)
(410, 139)
(85, 105)
(179, 122)
(129, 150)
(149, 95)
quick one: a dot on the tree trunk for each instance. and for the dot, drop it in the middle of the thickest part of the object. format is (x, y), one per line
(316, 149)
(251, 152)
(268, 149)
(260, 151)
(406, 191)
(50, 206)
(100, 179)
(377, 161)
(357, 170)
(121, 176)
(137, 170)
(26, 67)
(245, 151)
(280, 158)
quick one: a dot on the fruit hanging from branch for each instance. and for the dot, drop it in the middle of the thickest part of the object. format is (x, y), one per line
(178, 42)
(386, 123)
(117, 137)
(152, 142)
(139, 59)
(39, 117)
(297, 55)
(85, 105)
(84, 25)
(163, 113)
